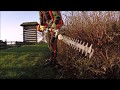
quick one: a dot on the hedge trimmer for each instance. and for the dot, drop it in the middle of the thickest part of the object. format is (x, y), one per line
(78, 45)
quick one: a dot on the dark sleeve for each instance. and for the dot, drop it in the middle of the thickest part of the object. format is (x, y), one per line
(47, 16)
(56, 17)
(41, 18)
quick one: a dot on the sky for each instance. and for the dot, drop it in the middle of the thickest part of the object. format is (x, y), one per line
(10, 21)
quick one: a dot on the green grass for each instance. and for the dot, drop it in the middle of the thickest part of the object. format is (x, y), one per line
(26, 62)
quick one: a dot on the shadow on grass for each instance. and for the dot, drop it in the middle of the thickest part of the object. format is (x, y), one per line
(26, 62)
(35, 72)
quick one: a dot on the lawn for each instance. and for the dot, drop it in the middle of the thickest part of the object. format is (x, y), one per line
(26, 62)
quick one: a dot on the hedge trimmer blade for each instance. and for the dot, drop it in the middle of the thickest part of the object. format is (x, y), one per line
(78, 45)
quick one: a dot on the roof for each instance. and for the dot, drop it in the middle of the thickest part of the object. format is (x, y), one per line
(29, 24)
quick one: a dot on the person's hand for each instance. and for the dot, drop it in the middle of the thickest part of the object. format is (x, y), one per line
(42, 28)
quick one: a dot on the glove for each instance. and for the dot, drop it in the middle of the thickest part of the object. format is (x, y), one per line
(42, 28)
(53, 26)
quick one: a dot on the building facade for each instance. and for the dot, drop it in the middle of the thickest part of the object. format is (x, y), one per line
(29, 32)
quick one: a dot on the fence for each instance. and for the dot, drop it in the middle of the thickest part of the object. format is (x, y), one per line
(18, 44)
(3, 45)
(9, 44)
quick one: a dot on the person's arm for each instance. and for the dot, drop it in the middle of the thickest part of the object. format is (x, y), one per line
(56, 19)
(41, 18)
(41, 26)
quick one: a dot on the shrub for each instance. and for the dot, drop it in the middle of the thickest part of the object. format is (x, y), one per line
(100, 28)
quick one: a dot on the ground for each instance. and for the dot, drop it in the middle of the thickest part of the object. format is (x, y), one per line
(26, 62)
